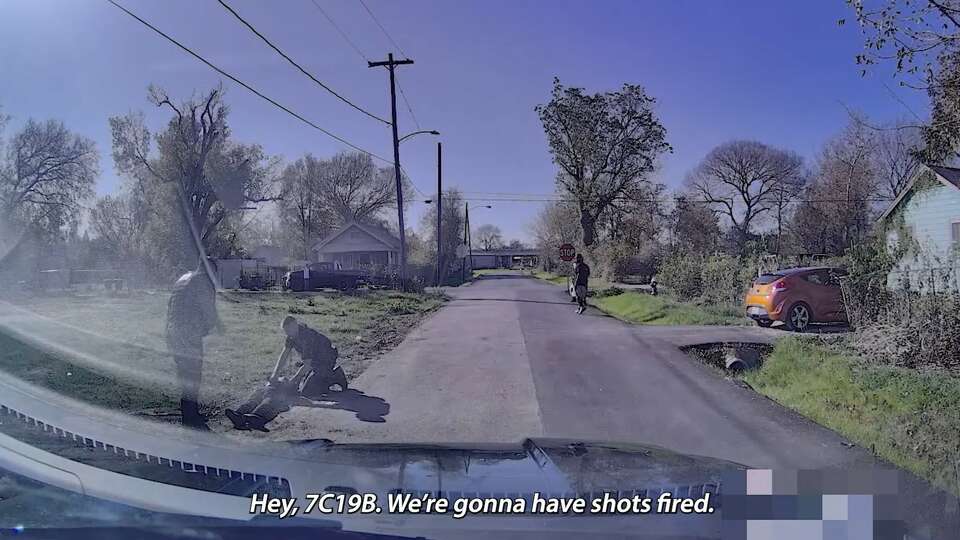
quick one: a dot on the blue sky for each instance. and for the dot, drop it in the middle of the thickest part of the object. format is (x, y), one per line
(773, 71)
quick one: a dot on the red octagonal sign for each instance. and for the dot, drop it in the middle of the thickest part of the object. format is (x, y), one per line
(567, 252)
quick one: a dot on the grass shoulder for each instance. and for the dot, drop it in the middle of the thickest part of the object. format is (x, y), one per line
(907, 417)
(131, 370)
(640, 307)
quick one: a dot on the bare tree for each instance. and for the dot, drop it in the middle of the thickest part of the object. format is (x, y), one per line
(897, 149)
(117, 221)
(783, 195)
(836, 210)
(489, 237)
(451, 230)
(45, 175)
(557, 223)
(354, 188)
(302, 210)
(694, 227)
(199, 174)
(741, 180)
(603, 143)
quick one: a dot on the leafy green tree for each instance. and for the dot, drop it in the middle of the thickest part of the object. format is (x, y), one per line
(603, 143)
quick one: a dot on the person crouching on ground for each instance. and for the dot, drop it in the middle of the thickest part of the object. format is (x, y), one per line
(581, 272)
(314, 377)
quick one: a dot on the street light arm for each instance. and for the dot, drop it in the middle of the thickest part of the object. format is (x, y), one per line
(408, 135)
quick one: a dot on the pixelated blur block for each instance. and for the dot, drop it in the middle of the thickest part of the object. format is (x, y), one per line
(759, 482)
(835, 507)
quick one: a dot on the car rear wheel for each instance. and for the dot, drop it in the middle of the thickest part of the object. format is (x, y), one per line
(799, 317)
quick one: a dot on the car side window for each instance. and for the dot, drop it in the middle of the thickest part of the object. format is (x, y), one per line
(816, 278)
(833, 278)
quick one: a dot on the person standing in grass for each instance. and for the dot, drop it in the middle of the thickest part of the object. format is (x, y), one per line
(581, 278)
(191, 316)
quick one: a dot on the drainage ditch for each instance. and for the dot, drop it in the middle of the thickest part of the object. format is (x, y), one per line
(733, 357)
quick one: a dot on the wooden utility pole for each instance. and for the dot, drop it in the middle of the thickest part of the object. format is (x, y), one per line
(466, 234)
(391, 64)
(439, 213)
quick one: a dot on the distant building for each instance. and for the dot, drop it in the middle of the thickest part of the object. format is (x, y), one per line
(504, 258)
(926, 214)
(355, 245)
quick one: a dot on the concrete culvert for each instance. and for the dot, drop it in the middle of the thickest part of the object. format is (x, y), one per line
(736, 357)
(742, 358)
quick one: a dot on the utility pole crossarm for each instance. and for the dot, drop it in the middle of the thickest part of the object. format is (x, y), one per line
(390, 63)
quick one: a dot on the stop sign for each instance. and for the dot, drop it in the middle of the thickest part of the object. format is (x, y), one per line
(567, 252)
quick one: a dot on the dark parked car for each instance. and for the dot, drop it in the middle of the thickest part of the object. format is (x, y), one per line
(323, 275)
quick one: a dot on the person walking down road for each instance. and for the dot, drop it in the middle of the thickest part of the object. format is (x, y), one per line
(191, 316)
(581, 278)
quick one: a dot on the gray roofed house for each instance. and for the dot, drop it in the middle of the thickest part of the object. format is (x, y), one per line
(359, 244)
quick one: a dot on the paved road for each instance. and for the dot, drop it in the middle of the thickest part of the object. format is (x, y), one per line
(509, 358)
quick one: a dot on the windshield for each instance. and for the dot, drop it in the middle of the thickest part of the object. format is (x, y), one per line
(477, 251)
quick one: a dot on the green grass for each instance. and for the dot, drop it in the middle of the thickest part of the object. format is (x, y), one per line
(551, 277)
(112, 350)
(906, 417)
(643, 308)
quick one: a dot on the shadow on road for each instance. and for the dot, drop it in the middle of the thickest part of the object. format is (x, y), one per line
(514, 300)
(368, 408)
(504, 276)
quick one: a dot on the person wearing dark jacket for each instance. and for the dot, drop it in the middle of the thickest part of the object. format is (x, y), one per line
(581, 278)
(191, 316)
(315, 375)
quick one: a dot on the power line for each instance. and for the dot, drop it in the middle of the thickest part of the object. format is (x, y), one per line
(248, 87)
(382, 29)
(396, 46)
(298, 66)
(404, 171)
(340, 31)
(653, 201)
(409, 108)
(896, 97)
(367, 59)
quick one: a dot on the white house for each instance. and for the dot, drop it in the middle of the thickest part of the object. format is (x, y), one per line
(927, 213)
(358, 244)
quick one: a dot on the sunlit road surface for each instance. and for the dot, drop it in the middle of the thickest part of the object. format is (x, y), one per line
(509, 358)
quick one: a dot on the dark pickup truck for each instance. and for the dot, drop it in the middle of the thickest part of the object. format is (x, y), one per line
(323, 275)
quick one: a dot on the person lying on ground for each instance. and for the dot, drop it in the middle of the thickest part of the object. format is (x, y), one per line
(265, 403)
(313, 378)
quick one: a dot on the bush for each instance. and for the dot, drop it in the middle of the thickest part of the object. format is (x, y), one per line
(682, 273)
(913, 330)
(616, 261)
(389, 276)
(725, 279)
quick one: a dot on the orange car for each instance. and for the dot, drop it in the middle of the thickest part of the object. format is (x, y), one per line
(797, 297)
